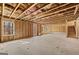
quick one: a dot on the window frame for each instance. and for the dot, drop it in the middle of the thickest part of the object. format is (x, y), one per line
(3, 32)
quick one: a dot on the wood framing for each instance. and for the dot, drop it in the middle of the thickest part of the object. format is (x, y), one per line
(33, 19)
(23, 5)
(46, 15)
(66, 27)
(27, 9)
(76, 9)
(15, 9)
(3, 6)
(52, 9)
(38, 10)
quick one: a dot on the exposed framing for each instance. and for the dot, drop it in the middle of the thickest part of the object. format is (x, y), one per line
(26, 10)
(15, 9)
(52, 9)
(38, 10)
(76, 9)
(46, 15)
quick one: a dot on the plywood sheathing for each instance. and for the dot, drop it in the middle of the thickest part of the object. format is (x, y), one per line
(53, 28)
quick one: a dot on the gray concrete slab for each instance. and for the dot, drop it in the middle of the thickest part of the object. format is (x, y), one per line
(49, 44)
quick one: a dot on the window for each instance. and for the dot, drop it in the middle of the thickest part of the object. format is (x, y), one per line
(8, 28)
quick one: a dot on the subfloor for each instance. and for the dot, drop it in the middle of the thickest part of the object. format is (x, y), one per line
(49, 44)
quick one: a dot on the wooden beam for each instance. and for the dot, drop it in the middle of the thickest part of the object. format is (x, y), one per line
(76, 28)
(12, 7)
(66, 27)
(3, 5)
(62, 15)
(53, 9)
(15, 9)
(76, 9)
(27, 10)
(1, 29)
(46, 15)
(14, 18)
(23, 5)
(39, 9)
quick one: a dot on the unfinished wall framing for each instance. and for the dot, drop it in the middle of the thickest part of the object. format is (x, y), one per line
(32, 19)
(23, 29)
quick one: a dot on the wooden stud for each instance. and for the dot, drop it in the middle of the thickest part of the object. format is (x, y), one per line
(1, 29)
(66, 27)
(76, 27)
(3, 6)
(76, 9)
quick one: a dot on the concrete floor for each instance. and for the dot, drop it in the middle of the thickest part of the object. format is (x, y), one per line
(49, 44)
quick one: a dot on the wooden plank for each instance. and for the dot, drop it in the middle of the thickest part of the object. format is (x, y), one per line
(46, 15)
(27, 10)
(39, 9)
(66, 28)
(15, 9)
(76, 9)
(3, 6)
(53, 9)
(1, 29)
(23, 5)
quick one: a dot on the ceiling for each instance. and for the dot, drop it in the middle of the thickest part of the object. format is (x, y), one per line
(40, 12)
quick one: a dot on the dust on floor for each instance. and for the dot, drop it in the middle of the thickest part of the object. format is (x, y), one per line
(49, 44)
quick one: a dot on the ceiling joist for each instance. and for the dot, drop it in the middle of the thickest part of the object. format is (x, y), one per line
(38, 10)
(52, 9)
(60, 14)
(43, 13)
(15, 9)
(27, 10)
(23, 5)
(46, 15)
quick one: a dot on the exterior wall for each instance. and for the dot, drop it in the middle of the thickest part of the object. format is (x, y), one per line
(54, 28)
(23, 29)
